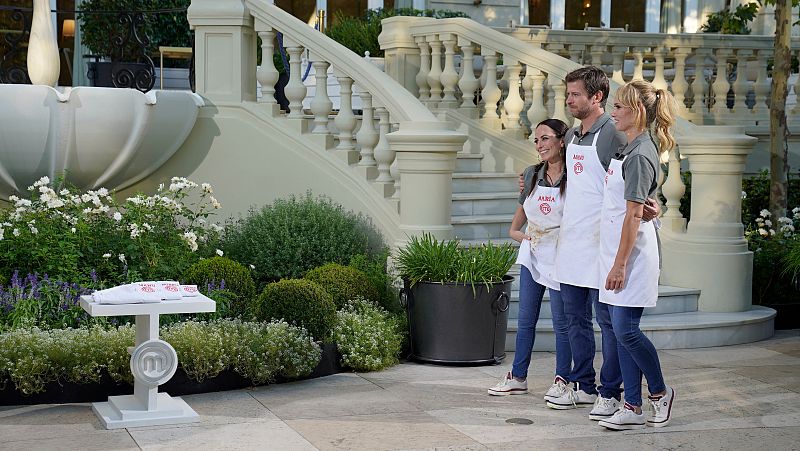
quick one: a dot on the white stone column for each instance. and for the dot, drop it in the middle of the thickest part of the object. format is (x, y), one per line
(468, 84)
(295, 90)
(712, 255)
(434, 76)
(321, 104)
(721, 85)
(679, 83)
(618, 57)
(449, 77)
(491, 93)
(513, 102)
(401, 52)
(43, 61)
(741, 86)
(426, 159)
(225, 50)
(267, 74)
(558, 9)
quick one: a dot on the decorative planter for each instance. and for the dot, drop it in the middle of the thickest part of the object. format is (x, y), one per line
(450, 324)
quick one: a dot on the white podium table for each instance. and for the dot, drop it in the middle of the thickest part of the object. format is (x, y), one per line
(153, 362)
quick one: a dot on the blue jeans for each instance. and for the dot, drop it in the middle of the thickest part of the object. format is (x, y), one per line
(530, 304)
(578, 310)
(637, 355)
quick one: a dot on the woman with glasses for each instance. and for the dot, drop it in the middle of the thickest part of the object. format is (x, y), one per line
(539, 211)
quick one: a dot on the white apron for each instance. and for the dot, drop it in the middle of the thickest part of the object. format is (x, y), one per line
(543, 209)
(579, 240)
(641, 275)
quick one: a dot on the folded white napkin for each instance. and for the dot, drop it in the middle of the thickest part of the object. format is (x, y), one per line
(170, 291)
(189, 291)
(132, 293)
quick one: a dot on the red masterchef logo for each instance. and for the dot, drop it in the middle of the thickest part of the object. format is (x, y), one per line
(545, 208)
(578, 167)
(610, 172)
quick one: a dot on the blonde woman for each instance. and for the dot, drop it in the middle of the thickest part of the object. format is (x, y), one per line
(629, 253)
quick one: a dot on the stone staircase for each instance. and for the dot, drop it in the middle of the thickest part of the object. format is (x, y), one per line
(482, 208)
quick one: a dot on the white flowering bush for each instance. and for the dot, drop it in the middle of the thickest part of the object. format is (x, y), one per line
(32, 358)
(367, 336)
(91, 237)
(775, 244)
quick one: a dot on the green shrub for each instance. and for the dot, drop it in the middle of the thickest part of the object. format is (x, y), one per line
(368, 337)
(343, 283)
(383, 282)
(775, 257)
(32, 358)
(726, 21)
(360, 34)
(224, 274)
(291, 236)
(302, 303)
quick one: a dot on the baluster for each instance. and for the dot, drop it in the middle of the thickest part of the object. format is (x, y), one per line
(266, 74)
(673, 189)
(449, 77)
(741, 86)
(527, 88)
(537, 111)
(658, 78)
(491, 93)
(618, 55)
(596, 52)
(345, 120)
(367, 136)
(295, 90)
(762, 86)
(721, 85)
(424, 69)
(321, 104)
(394, 171)
(468, 84)
(559, 98)
(434, 76)
(513, 102)
(699, 84)
(679, 83)
(384, 154)
(576, 53)
(638, 63)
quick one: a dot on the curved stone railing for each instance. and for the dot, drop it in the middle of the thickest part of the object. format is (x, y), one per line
(394, 137)
(721, 96)
(525, 95)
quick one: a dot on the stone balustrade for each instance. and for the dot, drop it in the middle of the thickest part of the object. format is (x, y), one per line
(392, 137)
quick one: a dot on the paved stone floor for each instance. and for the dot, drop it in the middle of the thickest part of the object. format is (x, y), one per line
(739, 397)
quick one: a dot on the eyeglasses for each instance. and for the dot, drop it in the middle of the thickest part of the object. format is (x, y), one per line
(544, 138)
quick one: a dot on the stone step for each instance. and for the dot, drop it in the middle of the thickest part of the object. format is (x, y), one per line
(677, 330)
(485, 182)
(481, 226)
(670, 300)
(468, 162)
(467, 204)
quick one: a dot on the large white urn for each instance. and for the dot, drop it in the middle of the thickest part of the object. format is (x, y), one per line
(95, 136)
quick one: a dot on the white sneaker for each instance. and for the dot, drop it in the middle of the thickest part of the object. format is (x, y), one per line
(509, 386)
(624, 419)
(603, 408)
(556, 390)
(571, 399)
(661, 409)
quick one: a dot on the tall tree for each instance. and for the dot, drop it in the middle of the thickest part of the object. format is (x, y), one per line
(779, 145)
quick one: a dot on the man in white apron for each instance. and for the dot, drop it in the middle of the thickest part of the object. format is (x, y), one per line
(590, 149)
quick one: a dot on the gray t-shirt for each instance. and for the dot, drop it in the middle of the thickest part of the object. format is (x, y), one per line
(527, 176)
(640, 168)
(608, 143)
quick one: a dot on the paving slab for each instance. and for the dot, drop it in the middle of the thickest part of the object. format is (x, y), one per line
(269, 434)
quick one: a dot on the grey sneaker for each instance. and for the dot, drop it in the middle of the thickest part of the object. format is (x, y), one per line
(624, 419)
(509, 386)
(603, 408)
(556, 390)
(571, 399)
(661, 409)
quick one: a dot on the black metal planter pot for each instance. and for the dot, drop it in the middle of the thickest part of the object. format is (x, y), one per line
(448, 324)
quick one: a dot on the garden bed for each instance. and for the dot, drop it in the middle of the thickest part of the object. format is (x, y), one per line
(179, 385)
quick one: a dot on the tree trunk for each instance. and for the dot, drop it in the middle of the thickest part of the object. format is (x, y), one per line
(778, 149)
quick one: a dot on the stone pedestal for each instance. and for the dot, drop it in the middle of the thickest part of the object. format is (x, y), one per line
(712, 254)
(426, 159)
